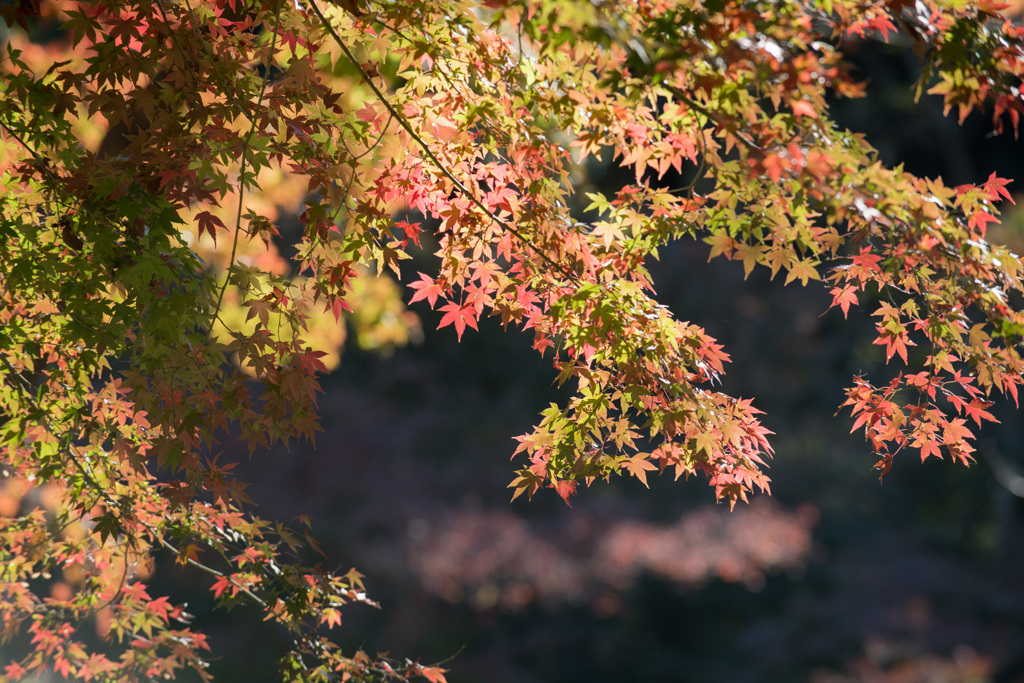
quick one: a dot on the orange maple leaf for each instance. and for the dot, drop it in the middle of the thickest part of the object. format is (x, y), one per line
(804, 108)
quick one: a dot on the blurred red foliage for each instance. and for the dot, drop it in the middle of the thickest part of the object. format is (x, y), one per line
(882, 665)
(495, 559)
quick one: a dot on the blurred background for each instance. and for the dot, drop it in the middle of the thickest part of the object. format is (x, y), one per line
(835, 577)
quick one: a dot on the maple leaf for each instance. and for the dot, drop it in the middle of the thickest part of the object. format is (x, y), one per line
(62, 666)
(976, 410)
(460, 316)
(996, 187)
(751, 255)
(14, 671)
(955, 432)
(527, 482)
(608, 233)
(426, 288)
(434, 674)
(895, 342)
(978, 220)
(310, 361)
(929, 448)
(721, 244)
(261, 308)
(804, 108)
(331, 617)
(542, 343)
(337, 306)
(774, 165)
(844, 297)
(108, 525)
(209, 223)
(187, 553)
(639, 466)
(565, 488)
(803, 270)
(222, 584)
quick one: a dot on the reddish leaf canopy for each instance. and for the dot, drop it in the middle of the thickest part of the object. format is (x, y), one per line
(146, 124)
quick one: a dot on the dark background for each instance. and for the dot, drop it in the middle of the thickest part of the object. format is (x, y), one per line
(835, 577)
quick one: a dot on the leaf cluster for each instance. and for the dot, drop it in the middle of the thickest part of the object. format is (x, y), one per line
(148, 319)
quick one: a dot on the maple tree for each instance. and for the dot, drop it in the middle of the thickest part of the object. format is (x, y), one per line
(148, 316)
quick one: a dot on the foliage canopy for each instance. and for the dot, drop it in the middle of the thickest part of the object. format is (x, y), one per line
(148, 147)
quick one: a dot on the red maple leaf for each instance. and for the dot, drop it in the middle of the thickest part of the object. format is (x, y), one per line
(310, 361)
(980, 219)
(844, 297)
(209, 223)
(427, 289)
(996, 187)
(565, 489)
(222, 584)
(976, 410)
(895, 342)
(458, 315)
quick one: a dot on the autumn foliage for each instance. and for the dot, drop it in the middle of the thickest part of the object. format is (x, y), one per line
(150, 149)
